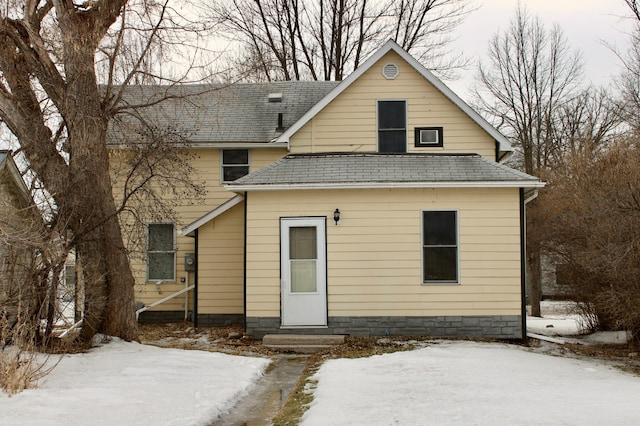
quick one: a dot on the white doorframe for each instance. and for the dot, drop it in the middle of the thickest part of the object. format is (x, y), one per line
(303, 293)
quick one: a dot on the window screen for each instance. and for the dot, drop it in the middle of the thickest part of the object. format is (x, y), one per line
(161, 256)
(392, 126)
(440, 246)
(235, 164)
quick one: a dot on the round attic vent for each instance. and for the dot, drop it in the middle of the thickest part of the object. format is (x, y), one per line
(390, 71)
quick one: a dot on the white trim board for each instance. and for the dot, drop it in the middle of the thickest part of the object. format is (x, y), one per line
(385, 185)
(227, 205)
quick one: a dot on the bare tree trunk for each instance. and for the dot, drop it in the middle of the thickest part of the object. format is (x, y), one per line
(91, 208)
(534, 278)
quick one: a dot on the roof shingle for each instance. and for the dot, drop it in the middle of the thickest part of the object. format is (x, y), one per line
(372, 168)
(225, 113)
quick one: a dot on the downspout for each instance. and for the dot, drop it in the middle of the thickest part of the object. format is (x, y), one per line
(523, 265)
(195, 283)
(244, 266)
(523, 255)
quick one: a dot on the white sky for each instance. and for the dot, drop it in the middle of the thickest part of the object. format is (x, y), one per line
(586, 24)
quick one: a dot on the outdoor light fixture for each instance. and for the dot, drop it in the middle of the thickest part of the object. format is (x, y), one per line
(336, 216)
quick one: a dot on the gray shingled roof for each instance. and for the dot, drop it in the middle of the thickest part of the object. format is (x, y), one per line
(370, 168)
(224, 113)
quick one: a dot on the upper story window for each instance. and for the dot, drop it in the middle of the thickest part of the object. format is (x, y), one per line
(161, 252)
(234, 164)
(392, 126)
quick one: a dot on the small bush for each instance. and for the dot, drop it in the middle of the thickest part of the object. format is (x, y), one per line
(21, 366)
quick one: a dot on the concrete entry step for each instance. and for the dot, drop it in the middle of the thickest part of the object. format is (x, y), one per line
(301, 343)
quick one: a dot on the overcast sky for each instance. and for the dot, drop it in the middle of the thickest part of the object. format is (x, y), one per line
(586, 23)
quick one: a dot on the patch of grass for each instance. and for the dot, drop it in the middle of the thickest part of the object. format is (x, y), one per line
(632, 369)
(298, 401)
(354, 347)
(623, 357)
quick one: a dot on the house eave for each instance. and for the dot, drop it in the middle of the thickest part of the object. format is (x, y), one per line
(383, 185)
(19, 183)
(221, 145)
(189, 230)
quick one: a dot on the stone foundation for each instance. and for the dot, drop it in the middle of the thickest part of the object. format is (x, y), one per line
(159, 317)
(500, 326)
(204, 320)
(220, 320)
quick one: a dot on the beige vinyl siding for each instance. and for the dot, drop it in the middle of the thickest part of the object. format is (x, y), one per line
(220, 259)
(349, 122)
(374, 254)
(206, 162)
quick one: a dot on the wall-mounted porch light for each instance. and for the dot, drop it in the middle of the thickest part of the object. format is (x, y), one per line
(336, 216)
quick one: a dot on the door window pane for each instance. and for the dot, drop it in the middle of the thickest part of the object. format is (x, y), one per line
(303, 243)
(303, 254)
(303, 276)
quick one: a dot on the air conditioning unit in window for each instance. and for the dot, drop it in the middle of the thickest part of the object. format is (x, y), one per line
(429, 137)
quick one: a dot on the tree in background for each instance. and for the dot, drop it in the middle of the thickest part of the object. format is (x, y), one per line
(628, 83)
(531, 75)
(589, 216)
(593, 224)
(53, 55)
(327, 39)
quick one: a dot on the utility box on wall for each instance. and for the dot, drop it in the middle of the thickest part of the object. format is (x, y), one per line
(190, 262)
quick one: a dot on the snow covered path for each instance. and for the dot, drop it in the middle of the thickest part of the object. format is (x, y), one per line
(468, 383)
(123, 383)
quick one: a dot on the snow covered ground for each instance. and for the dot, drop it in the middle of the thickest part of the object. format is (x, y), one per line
(469, 383)
(123, 383)
(443, 383)
(472, 383)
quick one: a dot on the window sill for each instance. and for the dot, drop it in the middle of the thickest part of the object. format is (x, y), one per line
(432, 283)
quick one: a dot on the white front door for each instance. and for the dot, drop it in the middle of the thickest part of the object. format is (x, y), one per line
(304, 271)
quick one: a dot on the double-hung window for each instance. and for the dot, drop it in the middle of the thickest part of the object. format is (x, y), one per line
(161, 252)
(392, 126)
(439, 246)
(235, 164)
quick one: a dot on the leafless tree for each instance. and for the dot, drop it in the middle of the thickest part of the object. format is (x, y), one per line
(592, 221)
(327, 39)
(583, 126)
(531, 74)
(59, 108)
(628, 83)
(144, 172)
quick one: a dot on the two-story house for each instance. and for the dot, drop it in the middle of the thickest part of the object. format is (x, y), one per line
(376, 205)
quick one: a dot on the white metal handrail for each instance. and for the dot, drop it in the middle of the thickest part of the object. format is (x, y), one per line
(161, 301)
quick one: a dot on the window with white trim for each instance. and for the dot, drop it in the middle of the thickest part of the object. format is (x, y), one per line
(161, 252)
(234, 164)
(392, 126)
(439, 246)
